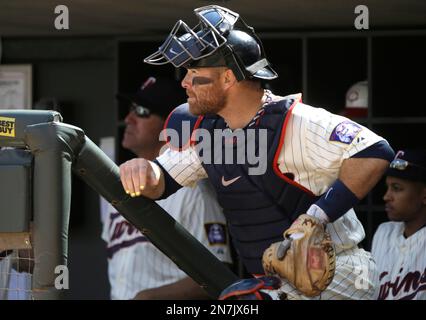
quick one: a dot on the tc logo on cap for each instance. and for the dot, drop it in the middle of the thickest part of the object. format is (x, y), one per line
(149, 82)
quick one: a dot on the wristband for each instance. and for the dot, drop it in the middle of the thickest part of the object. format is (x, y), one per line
(337, 200)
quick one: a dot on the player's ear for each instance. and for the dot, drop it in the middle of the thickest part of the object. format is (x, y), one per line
(424, 194)
(229, 78)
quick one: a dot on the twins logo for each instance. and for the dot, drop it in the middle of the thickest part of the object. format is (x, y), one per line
(345, 132)
(410, 285)
(122, 234)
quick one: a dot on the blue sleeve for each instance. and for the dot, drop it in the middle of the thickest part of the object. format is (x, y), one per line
(381, 150)
(337, 200)
(170, 184)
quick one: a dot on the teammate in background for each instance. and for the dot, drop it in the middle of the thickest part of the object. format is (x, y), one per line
(136, 268)
(308, 167)
(399, 245)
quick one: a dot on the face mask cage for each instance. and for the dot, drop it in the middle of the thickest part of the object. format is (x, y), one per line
(185, 44)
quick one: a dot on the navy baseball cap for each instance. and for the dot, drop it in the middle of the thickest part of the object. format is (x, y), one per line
(156, 95)
(409, 164)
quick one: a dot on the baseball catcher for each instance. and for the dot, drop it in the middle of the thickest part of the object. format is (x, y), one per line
(307, 165)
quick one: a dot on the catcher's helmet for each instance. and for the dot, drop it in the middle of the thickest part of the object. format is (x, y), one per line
(221, 38)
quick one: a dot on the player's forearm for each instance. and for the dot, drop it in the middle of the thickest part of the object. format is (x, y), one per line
(185, 289)
(360, 175)
(357, 177)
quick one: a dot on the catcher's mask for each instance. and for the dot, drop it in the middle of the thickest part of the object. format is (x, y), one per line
(220, 39)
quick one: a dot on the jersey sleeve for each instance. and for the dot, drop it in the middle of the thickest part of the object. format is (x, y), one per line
(335, 136)
(183, 166)
(315, 144)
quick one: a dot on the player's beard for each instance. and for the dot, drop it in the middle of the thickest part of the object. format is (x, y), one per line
(207, 100)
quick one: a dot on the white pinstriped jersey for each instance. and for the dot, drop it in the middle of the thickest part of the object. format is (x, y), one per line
(135, 264)
(401, 262)
(315, 158)
(312, 151)
(316, 142)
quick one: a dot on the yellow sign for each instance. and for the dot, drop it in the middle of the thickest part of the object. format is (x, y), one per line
(7, 127)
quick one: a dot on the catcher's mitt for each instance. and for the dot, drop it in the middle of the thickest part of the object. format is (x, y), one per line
(306, 257)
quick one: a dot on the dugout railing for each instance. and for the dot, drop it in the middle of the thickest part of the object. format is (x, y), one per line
(37, 157)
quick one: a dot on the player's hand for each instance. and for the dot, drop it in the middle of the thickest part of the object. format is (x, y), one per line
(142, 177)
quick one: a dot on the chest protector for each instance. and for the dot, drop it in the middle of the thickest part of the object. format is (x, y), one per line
(258, 208)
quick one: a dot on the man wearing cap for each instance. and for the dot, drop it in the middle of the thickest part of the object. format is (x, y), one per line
(136, 268)
(399, 246)
(309, 161)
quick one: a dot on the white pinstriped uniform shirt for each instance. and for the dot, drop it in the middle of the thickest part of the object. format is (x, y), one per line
(401, 262)
(134, 264)
(312, 151)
